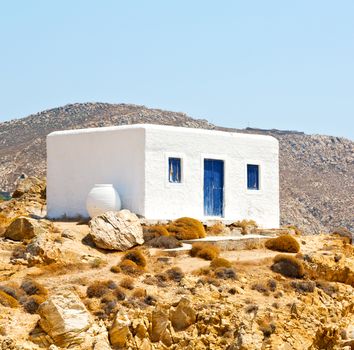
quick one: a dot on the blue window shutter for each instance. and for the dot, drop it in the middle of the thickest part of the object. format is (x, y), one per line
(252, 177)
(174, 170)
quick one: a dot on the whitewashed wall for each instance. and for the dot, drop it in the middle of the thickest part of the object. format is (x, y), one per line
(135, 160)
(78, 159)
(172, 200)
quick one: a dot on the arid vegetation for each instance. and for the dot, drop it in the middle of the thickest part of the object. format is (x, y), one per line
(186, 228)
(147, 297)
(284, 243)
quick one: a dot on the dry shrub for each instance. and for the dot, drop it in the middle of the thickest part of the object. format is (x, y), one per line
(150, 300)
(186, 228)
(119, 293)
(150, 280)
(272, 284)
(115, 269)
(328, 288)
(205, 251)
(304, 286)
(139, 293)
(220, 262)
(245, 224)
(129, 267)
(8, 300)
(260, 287)
(203, 271)
(99, 288)
(32, 303)
(175, 274)
(165, 242)
(136, 256)
(297, 231)
(252, 308)
(19, 252)
(101, 315)
(266, 327)
(284, 243)
(254, 243)
(60, 268)
(97, 263)
(109, 303)
(127, 283)
(154, 231)
(232, 291)
(32, 287)
(288, 266)
(225, 273)
(217, 229)
(344, 233)
(209, 280)
(14, 290)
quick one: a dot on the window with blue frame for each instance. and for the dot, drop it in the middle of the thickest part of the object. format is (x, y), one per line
(252, 177)
(174, 170)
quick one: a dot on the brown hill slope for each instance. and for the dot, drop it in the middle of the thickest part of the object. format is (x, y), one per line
(317, 172)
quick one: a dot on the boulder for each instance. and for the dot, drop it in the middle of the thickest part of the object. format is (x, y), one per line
(183, 316)
(42, 250)
(30, 185)
(160, 325)
(23, 228)
(119, 331)
(64, 318)
(116, 230)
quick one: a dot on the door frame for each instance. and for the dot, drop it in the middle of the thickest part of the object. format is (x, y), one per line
(222, 158)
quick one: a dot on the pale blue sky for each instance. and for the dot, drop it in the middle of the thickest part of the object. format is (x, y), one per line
(268, 64)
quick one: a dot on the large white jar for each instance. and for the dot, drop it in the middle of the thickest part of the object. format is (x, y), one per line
(102, 198)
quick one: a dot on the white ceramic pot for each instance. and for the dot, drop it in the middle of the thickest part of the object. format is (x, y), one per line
(102, 198)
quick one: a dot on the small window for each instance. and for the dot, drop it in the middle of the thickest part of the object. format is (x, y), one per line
(252, 177)
(174, 170)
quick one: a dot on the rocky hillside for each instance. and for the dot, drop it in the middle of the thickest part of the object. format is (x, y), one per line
(317, 182)
(60, 289)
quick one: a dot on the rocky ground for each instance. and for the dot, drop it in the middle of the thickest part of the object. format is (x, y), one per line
(57, 290)
(316, 171)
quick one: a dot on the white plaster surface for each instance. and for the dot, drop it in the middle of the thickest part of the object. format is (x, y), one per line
(135, 160)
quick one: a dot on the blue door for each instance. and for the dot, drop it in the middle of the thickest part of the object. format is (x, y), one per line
(213, 187)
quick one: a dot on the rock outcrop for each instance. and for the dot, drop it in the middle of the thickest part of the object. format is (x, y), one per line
(31, 186)
(65, 319)
(183, 316)
(24, 228)
(116, 230)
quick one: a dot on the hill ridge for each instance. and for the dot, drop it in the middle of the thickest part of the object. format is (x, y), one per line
(316, 171)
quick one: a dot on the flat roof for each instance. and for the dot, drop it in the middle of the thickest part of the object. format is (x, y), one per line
(158, 127)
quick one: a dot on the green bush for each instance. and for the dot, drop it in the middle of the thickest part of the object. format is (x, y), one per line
(186, 228)
(284, 243)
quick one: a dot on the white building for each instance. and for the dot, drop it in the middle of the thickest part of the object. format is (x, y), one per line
(166, 172)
